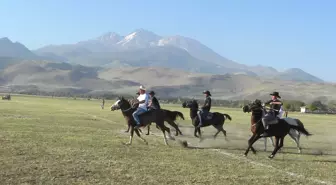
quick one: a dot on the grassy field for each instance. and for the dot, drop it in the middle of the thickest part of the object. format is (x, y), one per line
(66, 141)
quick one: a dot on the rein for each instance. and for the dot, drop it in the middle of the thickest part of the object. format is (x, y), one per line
(125, 110)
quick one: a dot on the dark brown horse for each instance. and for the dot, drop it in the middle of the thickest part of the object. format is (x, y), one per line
(279, 130)
(217, 119)
(146, 118)
(170, 118)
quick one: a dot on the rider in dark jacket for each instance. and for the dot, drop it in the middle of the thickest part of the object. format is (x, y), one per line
(205, 109)
(275, 109)
(154, 102)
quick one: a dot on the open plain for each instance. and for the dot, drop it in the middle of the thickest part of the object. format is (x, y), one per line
(66, 141)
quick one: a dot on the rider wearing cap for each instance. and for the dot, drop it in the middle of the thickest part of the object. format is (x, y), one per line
(205, 109)
(153, 103)
(275, 110)
(143, 99)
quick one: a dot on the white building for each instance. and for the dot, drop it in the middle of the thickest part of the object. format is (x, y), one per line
(303, 109)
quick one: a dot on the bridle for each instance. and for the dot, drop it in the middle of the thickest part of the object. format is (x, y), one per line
(125, 110)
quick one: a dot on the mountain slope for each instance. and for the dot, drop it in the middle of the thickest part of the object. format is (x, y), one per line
(167, 82)
(296, 74)
(15, 50)
(111, 49)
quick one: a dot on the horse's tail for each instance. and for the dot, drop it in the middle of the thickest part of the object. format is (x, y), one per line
(179, 114)
(301, 129)
(300, 124)
(227, 116)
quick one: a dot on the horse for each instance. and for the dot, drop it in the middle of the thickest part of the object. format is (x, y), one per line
(278, 130)
(170, 118)
(156, 116)
(294, 134)
(215, 119)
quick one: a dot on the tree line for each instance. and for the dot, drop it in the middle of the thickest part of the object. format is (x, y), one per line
(289, 105)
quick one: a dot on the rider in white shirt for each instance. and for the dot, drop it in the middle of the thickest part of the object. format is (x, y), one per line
(143, 104)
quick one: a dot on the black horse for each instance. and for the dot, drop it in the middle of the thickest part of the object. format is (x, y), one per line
(279, 130)
(156, 116)
(215, 119)
(170, 118)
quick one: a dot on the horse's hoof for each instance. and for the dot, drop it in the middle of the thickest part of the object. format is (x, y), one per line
(127, 143)
(126, 131)
(254, 152)
(245, 155)
(147, 134)
(271, 156)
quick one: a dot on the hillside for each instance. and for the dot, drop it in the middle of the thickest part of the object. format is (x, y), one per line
(167, 82)
(142, 48)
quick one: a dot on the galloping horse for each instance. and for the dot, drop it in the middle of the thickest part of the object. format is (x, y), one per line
(170, 118)
(279, 130)
(156, 116)
(294, 134)
(216, 120)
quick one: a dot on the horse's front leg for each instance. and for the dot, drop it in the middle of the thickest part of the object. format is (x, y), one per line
(128, 127)
(251, 141)
(278, 145)
(138, 134)
(148, 128)
(200, 134)
(195, 126)
(131, 137)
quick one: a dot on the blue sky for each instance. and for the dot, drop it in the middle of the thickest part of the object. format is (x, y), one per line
(282, 34)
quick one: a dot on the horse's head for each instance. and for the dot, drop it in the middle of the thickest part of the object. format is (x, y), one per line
(191, 104)
(246, 108)
(254, 106)
(121, 103)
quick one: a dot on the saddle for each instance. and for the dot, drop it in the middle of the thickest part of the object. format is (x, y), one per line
(207, 116)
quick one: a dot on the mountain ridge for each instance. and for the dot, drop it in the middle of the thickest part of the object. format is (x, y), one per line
(166, 82)
(106, 50)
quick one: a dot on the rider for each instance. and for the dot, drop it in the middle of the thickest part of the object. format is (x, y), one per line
(205, 109)
(154, 103)
(275, 110)
(143, 104)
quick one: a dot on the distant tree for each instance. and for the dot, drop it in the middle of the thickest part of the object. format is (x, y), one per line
(319, 105)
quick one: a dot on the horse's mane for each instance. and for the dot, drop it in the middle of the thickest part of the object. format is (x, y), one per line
(134, 103)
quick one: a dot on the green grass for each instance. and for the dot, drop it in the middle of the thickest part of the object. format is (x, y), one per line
(66, 141)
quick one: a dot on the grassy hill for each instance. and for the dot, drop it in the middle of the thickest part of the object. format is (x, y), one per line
(167, 82)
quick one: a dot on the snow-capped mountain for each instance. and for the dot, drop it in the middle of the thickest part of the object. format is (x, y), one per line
(145, 48)
(139, 39)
